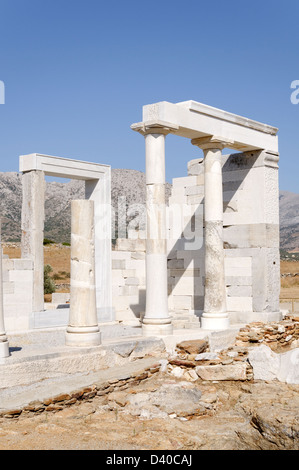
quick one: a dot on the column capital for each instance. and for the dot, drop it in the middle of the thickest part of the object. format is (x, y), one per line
(154, 127)
(211, 142)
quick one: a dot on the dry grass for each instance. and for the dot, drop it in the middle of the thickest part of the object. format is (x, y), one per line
(289, 285)
(289, 267)
(57, 256)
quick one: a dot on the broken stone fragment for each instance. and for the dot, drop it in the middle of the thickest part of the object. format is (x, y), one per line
(206, 356)
(195, 346)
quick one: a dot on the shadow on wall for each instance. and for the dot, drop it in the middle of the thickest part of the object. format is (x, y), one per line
(186, 267)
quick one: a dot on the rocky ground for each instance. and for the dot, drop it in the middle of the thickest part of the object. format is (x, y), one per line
(194, 399)
(164, 413)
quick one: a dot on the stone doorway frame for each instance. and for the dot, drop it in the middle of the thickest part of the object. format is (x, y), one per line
(34, 167)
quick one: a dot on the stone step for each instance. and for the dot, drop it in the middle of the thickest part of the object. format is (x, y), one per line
(185, 325)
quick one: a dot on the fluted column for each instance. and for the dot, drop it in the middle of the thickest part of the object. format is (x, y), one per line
(215, 316)
(4, 345)
(156, 320)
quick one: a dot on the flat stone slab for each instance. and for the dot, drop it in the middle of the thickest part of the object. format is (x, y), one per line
(222, 372)
(20, 396)
(43, 355)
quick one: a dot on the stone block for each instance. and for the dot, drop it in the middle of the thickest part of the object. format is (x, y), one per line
(23, 264)
(187, 286)
(7, 264)
(132, 281)
(128, 273)
(121, 255)
(182, 302)
(60, 297)
(138, 256)
(238, 280)
(239, 291)
(8, 287)
(194, 191)
(195, 199)
(193, 273)
(239, 304)
(128, 290)
(125, 244)
(195, 346)
(184, 181)
(222, 372)
(192, 258)
(265, 363)
(177, 199)
(118, 264)
(117, 279)
(234, 176)
(238, 262)
(195, 166)
(138, 265)
(240, 271)
(175, 264)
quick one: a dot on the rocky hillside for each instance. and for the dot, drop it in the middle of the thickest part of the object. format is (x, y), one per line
(125, 183)
(289, 220)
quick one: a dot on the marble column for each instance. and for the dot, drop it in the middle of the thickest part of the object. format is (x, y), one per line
(83, 329)
(215, 315)
(33, 216)
(156, 320)
(4, 345)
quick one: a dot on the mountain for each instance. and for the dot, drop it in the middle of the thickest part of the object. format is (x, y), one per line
(289, 220)
(124, 183)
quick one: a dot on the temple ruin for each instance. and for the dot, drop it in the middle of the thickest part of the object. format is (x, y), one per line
(208, 260)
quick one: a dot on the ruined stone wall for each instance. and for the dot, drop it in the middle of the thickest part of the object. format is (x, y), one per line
(251, 238)
(17, 293)
(128, 280)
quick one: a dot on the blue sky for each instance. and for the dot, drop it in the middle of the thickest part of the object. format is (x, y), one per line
(77, 74)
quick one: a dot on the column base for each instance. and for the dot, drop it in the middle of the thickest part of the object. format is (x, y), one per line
(157, 327)
(82, 337)
(214, 321)
(4, 349)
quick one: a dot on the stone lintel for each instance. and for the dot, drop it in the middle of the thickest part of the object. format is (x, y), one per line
(62, 167)
(196, 120)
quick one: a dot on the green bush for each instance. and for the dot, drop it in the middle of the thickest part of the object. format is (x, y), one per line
(47, 241)
(49, 285)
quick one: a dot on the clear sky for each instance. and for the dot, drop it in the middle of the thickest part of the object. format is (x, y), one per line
(77, 74)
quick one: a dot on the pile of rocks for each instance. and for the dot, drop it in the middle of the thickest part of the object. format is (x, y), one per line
(194, 361)
(279, 336)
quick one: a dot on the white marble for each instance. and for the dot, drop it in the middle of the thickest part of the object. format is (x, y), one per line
(4, 345)
(83, 329)
(97, 179)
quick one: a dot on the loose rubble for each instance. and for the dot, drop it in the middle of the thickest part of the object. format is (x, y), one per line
(215, 393)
